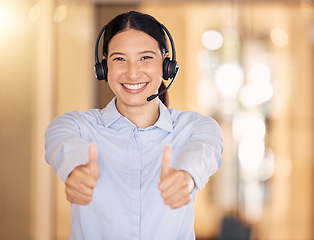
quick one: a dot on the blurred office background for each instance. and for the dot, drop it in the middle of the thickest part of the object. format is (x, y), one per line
(248, 64)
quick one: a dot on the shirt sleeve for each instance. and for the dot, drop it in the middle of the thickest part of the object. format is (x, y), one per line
(201, 155)
(65, 149)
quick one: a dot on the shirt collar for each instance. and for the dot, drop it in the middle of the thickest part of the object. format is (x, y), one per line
(165, 120)
(110, 114)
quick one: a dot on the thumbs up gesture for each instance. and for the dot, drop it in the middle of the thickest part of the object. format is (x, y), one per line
(82, 180)
(175, 185)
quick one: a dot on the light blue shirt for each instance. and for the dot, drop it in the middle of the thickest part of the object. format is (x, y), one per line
(126, 201)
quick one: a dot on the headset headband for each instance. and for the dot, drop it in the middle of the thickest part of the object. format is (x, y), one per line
(162, 26)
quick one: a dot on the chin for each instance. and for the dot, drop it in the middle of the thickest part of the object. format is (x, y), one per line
(135, 101)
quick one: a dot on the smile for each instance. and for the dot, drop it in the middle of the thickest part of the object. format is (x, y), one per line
(134, 86)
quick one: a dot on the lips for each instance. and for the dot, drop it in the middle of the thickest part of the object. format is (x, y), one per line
(136, 87)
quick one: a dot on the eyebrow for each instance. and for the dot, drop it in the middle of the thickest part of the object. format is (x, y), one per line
(142, 52)
(116, 53)
(148, 51)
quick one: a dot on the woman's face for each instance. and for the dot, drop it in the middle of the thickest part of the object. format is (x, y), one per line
(134, 67)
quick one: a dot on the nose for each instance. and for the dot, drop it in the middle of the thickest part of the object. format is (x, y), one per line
(134, 71)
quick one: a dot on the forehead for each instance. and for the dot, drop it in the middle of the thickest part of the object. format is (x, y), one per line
(132, 39)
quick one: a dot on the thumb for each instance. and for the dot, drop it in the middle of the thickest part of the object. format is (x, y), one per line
(93, 160)
(166, 160)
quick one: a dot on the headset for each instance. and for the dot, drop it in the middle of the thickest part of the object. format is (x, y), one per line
(170, 67)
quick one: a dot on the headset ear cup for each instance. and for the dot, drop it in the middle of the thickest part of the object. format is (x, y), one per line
(173, 69)
(105, 69)
(165, 68)
(99, 73)
(101, 70)
(170, 69)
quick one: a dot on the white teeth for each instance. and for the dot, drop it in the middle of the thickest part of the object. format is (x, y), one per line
(134, 86)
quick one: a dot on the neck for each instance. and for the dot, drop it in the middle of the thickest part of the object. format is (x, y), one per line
(142, 116)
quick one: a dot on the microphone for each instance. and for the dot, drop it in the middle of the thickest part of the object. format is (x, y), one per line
(152, 97)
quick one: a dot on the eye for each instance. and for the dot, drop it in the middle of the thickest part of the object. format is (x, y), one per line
(118, 59)
(146, 57)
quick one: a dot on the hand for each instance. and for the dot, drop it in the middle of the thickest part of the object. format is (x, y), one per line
(82, 180)
(175, 185)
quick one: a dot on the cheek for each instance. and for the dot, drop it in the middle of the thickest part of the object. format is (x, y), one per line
(112, 71)
(155, 74)
(155, 70)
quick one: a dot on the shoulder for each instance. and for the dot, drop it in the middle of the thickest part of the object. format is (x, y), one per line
(91, 116)
(178, 115)
(195, 120)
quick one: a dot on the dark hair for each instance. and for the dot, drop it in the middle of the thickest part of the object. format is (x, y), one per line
(142, 22)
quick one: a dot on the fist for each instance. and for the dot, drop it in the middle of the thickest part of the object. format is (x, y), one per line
(175, 185)
(82, 180)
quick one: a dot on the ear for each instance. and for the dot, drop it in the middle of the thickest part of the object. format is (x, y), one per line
(165, 55)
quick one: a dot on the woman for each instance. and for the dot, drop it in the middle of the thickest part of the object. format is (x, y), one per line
(131, 170)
